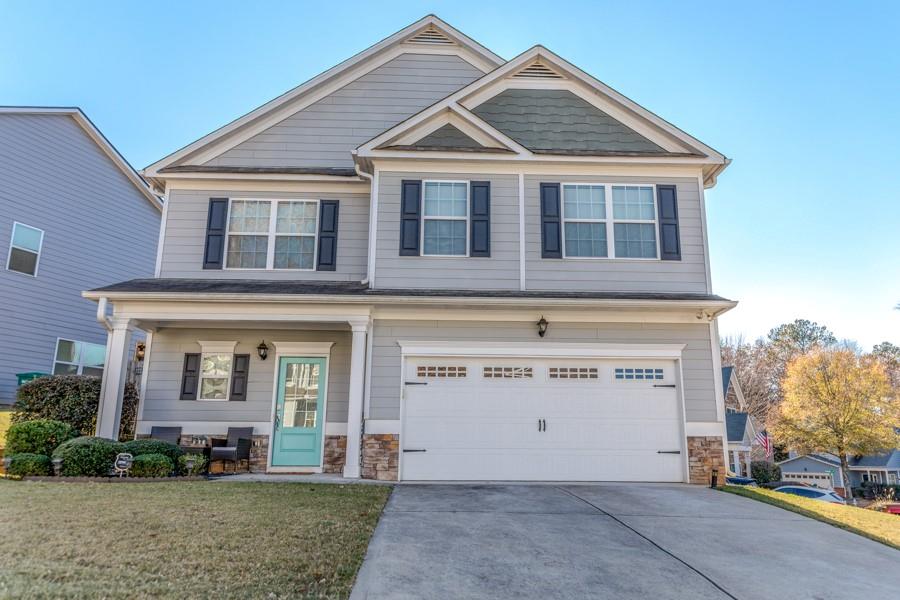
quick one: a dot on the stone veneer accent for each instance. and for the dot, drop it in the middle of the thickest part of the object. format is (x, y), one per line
(335, 453)
(704, 455)
(380, 456)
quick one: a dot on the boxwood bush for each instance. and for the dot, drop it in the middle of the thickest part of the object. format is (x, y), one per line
(28, 463)
(88, 456)
(141, 447)
(151, 465)
(198, 466)
(72, 399)
(40, 436)
(763, 471)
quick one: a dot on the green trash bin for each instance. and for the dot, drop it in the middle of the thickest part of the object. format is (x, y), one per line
(24, 378)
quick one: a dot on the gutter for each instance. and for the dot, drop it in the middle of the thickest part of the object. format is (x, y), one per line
(101, 313)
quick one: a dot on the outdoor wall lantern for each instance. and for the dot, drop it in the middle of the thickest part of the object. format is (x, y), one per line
(542, 326)
(262, 350)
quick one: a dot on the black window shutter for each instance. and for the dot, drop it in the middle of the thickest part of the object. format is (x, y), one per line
(669, 242)
(240, 369)
(328, 228)
(551, 242)
(190, 377)
(410, 217)
(480, 218)
(215, 233)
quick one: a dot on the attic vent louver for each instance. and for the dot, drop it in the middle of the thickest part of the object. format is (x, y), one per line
(538, 70)
(430, 35)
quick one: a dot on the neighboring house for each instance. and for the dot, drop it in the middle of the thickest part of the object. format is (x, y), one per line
(741, 435)
(429, 263)
(877, 468)
(73, 215)
(819, 470)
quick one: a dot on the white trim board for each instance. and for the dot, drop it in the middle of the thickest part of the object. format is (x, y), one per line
(540, 349)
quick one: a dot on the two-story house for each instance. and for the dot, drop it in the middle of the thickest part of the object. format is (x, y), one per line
(73, 215)
(429, 263)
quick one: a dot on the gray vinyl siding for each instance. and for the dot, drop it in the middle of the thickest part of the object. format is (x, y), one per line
(161, 402)
(618, 275)
(324, 133)
(185, 236)
(500, 271)
(697, 364)
(98, 229)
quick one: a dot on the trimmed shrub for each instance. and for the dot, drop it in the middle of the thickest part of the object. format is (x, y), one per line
(763, 471)
(141, 447)
(28, 463)
(72, 399)
(88, 456)
(151, 465)
(198, 467)
(41, 436)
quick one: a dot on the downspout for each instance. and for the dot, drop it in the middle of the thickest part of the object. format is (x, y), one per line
(101, 314)
(373, 207)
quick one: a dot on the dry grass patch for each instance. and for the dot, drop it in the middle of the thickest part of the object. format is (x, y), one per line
(184, 540)
(878, 526)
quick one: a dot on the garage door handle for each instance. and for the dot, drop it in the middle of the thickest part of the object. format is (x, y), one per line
(415, 383)
(668, 451)
(665, 385)
(415, 450)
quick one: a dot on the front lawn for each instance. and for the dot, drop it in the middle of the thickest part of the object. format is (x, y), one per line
(184, 540)
(881, 527)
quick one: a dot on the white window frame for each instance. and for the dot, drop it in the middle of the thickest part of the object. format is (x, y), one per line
(610, 220)
(40, 251)
(80, 364)
(272, 235)
(467, 218)
(215, 348)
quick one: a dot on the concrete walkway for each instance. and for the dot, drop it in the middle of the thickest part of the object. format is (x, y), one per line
(612, 541)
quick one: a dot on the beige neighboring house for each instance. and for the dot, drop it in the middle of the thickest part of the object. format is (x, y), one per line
(432, 263)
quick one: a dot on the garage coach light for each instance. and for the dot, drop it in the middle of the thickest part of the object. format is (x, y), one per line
(262, 350)
(542, 326)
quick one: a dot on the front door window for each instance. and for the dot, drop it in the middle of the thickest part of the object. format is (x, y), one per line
(301, 395)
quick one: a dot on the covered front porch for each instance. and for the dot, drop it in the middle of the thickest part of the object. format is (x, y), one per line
(293, 373)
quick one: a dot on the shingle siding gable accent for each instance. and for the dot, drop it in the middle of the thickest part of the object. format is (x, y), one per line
(324, 133)
(547, 120)
(447, 136)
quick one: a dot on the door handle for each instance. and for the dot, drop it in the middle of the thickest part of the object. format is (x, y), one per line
(415, 383)
(542, 425)
(277, 421)
(664, 385)
(539, 425)
(415, 450)
(668, 451)
(544, 421)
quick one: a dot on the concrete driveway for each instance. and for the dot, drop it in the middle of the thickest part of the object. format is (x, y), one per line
(612, 541)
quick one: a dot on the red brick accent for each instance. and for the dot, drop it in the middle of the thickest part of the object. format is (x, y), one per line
(335, 453)
(380, 456)
(704, 455)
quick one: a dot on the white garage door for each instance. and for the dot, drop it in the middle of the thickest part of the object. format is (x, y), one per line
(541, 420)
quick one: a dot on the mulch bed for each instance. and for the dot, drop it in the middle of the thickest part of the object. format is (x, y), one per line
(111, 479)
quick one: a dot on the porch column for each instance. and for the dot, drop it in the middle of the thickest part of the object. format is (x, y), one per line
(736, 461)
(749, 456)
(115, 371)
(355, 405)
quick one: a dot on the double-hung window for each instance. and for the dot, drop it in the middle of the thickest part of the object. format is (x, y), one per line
(603, 221)
(634, 221)
(272, 234)
(445, 218)
(215, 375)
(78, 358)
(24, 249)
(584, 216)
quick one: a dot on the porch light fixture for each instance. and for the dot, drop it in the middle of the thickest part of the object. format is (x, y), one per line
(262, 350)
(542, 326)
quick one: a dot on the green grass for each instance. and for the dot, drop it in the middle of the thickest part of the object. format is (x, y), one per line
(5, 416)
(878, 526)
(184, 540)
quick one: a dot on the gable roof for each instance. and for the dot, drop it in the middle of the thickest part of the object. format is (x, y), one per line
(448, 136)
(680, 147)
(736, 426)
(827, 460)
(98, 138)
(885, 459)
(726, 378)
(429, 34)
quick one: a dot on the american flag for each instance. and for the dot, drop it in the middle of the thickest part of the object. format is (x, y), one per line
(762, 438)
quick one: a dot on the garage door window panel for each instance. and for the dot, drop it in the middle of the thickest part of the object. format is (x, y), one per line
(508, 372)
(638, 373)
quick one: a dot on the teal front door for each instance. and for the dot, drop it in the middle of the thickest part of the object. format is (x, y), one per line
(299, 411)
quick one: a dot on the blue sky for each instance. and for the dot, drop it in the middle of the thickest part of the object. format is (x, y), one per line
(804, 96)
